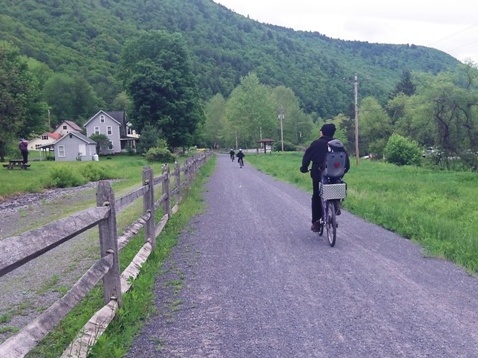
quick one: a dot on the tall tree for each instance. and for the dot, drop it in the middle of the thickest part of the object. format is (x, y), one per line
(251, 112)
(70, 98)
(17, 96)
(405, 86)
(160, 82)
(213, 130)
(297, 126)
(375, 127)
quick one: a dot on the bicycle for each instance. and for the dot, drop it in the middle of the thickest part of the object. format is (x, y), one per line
(331, 195)
(241, 162)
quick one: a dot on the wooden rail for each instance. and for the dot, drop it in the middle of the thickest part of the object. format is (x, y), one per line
(18, 250)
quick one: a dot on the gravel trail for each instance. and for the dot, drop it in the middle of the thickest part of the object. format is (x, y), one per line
(256, 282)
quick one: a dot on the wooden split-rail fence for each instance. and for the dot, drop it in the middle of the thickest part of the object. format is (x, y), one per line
(17, 251)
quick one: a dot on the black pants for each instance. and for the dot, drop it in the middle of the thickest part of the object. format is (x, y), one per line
(25, 156)
(316, 202)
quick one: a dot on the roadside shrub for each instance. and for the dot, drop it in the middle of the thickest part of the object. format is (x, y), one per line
(401, 151)
(288, 147)
(95, 172)
(162, 155)
(66, 177)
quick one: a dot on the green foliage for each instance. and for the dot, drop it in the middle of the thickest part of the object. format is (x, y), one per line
(162, 155)
(86, 39)
(405, 86)
(401, 151)
(19, 101)
(288, 146)
(150, 137)
(103, 143)
(160, 81)
(64, 177)
(94, 172)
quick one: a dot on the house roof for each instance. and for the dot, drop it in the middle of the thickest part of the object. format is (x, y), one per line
(54, 135)
(108, 114)
(120, 116)
(77, 135)
(72, 124)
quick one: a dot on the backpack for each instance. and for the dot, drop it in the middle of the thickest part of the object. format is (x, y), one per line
(335, 160)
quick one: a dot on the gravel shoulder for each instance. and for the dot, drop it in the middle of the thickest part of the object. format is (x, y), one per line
(256, 282)
(37, 285)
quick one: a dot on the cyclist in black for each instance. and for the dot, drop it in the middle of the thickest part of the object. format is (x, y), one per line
(316, 154)
(240, 157)
(231, 154)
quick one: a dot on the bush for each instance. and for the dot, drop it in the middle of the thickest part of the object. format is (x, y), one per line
(160, 155)
(95, 172)
(66, 177)
(401, 151)
(288, 147)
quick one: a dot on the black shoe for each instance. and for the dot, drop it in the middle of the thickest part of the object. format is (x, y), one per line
(316, 226)
(338, 212)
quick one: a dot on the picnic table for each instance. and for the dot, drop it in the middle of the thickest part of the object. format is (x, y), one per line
(16, 163)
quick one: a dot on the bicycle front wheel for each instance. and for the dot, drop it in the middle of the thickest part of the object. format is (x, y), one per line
(331, 223)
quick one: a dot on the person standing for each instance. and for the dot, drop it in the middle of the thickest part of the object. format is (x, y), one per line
(23, 146)
(316, 154)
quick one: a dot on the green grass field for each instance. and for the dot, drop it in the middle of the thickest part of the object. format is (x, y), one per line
(436, 209)
(42, 174)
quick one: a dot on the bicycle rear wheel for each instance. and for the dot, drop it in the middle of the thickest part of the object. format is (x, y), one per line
(331, 223)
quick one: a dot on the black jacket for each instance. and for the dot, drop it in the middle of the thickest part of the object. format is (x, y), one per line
(316, 154)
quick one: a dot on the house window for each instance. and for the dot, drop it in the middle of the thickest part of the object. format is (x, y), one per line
(37, 146)
(102, 119)
(65, 127)
(109, 130)
(61, 151)
(44, 137)
(97, 130)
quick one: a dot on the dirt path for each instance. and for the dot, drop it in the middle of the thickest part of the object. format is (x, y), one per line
(256, 282)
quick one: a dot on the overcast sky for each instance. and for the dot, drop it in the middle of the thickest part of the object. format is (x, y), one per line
(450, 26)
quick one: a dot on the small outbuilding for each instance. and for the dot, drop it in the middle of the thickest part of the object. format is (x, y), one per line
(264, 143)
(75, 146)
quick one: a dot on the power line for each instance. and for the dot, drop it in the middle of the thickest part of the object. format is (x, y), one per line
(455, 33)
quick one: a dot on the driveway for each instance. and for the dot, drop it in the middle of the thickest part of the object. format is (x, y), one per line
(256, 282)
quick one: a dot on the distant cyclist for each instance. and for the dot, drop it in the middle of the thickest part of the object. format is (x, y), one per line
(231, 154)
(240, 158)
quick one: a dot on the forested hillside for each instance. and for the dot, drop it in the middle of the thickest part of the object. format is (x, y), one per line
(86, 38)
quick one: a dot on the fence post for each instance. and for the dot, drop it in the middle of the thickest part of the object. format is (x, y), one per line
(109, 243)
(148, 206)
(166, 191)
(177, 172)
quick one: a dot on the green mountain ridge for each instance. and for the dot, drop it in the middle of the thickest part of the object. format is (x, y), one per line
(87, 37)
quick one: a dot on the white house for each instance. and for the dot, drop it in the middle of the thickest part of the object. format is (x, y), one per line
(116, 127)
(45, 139)
(75, 146)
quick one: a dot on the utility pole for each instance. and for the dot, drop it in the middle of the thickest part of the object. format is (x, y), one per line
(356, 119)
(281, 117)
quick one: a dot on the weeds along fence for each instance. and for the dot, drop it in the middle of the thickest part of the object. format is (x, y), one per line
(17, 251)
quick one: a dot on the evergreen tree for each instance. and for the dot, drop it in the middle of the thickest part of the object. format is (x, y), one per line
(405, 86)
